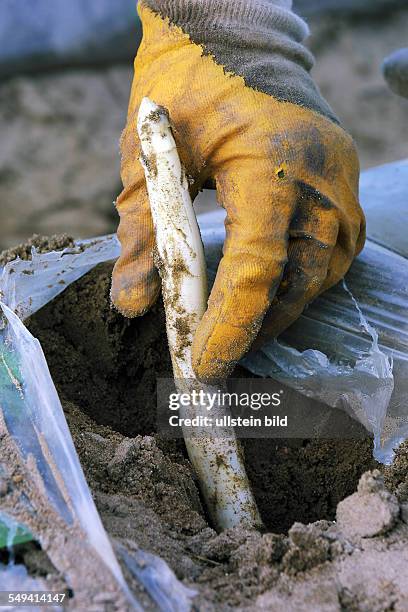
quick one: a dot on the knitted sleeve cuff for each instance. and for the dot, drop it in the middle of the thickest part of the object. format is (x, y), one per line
(209, 14)
(259, 40)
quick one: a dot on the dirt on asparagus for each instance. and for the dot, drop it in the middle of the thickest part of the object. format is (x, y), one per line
(105, 370)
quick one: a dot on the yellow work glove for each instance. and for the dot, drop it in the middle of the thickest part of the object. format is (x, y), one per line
(249, 120)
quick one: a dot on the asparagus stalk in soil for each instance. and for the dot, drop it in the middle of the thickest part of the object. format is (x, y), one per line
(215, 455)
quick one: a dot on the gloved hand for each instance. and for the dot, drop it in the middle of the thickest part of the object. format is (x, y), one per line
(249, 120)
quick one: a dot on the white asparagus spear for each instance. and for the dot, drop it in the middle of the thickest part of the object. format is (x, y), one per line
(215, 454)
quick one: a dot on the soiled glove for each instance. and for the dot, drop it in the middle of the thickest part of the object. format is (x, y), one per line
(249, 120)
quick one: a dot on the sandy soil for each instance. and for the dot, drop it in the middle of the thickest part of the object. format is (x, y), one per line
(69, 565)
(104, 367)
(59, 157)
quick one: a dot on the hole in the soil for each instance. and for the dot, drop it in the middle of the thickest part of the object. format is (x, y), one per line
(303, 481)
(107, 367)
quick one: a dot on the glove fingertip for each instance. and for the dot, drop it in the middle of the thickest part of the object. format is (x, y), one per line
(208, 368)
(214, 354)
(133, 299)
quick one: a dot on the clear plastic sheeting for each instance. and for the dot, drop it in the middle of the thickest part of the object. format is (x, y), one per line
(33, 413)
(383, 194)
(16, 578)
(159, 580)
(363, 326)
(12, 532)
(26, 286)
(34, 418)
(345, 347)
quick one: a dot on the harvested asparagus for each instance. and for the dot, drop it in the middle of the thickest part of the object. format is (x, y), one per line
(215, 455)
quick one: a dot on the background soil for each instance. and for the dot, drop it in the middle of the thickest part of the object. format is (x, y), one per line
(59, 157)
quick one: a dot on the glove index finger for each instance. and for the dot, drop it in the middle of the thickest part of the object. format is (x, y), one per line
(254, 257)
(135, 281)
